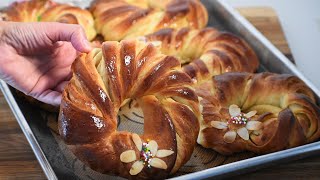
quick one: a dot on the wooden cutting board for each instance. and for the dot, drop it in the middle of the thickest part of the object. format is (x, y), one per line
(17, 160)
(266, 21)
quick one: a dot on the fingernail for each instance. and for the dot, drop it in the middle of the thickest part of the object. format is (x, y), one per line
(87, 45)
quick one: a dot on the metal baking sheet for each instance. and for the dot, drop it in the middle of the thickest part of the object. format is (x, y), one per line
(223, 17)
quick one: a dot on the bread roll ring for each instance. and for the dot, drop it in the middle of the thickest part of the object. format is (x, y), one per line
(206, 52)
(261, 113)
(26, 11)
(104, 80)
(71, 15)
(49, 11)
(120, 19)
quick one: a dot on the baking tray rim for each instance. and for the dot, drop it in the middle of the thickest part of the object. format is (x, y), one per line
(234, 167)
(43, 161)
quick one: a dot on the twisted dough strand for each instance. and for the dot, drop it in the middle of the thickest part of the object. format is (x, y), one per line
(285, 106)
(119, 19)
(49, 11)
(206, 52)
(103, 82)
(26, 11)
(71, 15)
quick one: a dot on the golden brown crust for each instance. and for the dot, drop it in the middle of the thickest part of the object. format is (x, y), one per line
(206, 52)
(26, 11)
(71, 15)
(49, 11)
(119, 19)
(103, 80)
(285, 107)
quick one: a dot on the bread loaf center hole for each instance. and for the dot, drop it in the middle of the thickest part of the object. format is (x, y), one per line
(130, 118)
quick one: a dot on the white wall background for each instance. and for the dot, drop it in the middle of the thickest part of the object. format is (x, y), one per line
(300, 20)
(4, 2)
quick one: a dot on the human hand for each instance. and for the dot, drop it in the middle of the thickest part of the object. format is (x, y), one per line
(36, 58)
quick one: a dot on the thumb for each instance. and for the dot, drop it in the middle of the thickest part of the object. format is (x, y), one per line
(68, 32)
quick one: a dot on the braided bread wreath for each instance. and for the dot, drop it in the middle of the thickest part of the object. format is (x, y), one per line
(261, 113)
(205, 53)
(105, 80)
(120, 19)
(49, 11)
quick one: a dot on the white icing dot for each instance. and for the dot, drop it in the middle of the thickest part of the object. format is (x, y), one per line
(127, 60)
(158, 67)
(111, 66)
(173, 77)
(92, 106)
(183, 92)
(103, 95)
(99, 124)
(64, 126)
(141, 61)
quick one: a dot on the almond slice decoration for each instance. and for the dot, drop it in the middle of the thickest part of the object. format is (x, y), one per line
(243, 133)
(136, 168)
(219, 125)
(153, 145)
(164, 153)
(128, 156)
(234, 110)
(239, 119)
(137, 141)
(230, 136)
(250, 114)
(149, 155)
(254, 125)
(158, 163)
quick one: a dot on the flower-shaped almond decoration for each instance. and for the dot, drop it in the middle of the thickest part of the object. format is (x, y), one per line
(149, 155)
(239, 123)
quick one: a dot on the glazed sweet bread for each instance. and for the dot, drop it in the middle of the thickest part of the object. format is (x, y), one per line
(120, 19)
(261, 113)
(26, 11)
(49, 11)
(72, 15)
(105, 80)
(206, 52)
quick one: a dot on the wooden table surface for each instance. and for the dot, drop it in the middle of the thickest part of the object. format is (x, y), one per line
(17, 160)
